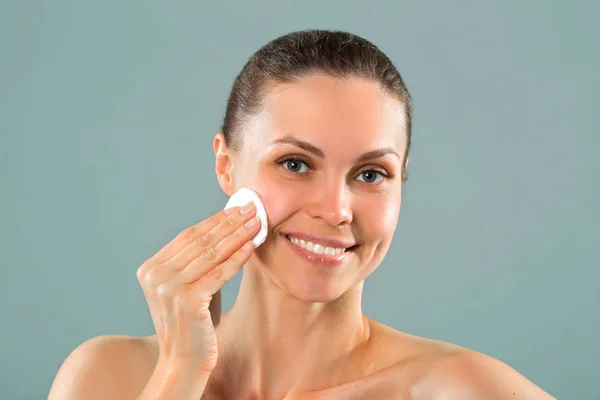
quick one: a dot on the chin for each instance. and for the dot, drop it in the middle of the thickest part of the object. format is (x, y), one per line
(311, 287)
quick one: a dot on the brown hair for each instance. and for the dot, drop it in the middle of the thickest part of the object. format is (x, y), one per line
(303, 53)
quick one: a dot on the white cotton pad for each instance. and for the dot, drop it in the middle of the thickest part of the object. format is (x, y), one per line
(243, 197)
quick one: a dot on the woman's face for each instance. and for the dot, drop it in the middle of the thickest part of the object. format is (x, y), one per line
(325, 156)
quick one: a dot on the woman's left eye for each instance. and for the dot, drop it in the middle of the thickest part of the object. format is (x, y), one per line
(372, 176)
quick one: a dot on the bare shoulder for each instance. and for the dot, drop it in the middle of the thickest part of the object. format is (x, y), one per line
(433, 369)
(115, 367)
(470, 374)
(401, 348)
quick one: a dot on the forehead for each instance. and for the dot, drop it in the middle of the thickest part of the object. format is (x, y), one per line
(331, 111)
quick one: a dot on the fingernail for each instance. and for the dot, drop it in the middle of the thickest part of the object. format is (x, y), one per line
(251, 222)
(247, 208)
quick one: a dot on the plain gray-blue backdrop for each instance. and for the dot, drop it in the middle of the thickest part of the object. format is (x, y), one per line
(107, 114)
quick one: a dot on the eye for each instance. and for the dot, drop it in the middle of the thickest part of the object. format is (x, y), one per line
(370, 176)
(295, 165)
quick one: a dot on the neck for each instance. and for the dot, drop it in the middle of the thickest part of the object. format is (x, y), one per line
(272, 344)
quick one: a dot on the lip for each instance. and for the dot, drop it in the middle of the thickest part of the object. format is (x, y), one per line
(321, 259)
(321, 240)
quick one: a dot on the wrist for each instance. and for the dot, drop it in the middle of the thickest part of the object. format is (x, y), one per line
(176, 379)
(183, 368)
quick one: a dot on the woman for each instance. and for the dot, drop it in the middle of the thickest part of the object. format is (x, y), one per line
(319, 125)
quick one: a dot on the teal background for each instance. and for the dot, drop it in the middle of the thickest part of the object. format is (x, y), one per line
(107, 114)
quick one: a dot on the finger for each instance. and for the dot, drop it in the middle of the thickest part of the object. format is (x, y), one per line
(151, 275)
(189, 234)
(220, 252)
(205, 245)
(212, 281)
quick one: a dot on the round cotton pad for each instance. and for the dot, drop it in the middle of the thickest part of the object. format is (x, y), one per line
(243, 197)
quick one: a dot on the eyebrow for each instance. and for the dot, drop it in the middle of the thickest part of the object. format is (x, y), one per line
(289, 139)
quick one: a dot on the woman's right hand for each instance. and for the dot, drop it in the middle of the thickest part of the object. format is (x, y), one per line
(180, 280)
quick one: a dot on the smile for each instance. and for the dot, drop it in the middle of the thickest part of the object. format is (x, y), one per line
(315, 247)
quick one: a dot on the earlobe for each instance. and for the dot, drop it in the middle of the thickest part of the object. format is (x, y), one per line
(223, 164)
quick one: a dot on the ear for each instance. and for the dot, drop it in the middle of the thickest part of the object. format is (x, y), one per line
(223, 164)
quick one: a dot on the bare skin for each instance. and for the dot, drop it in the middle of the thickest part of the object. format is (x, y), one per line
(393, 365)
(296, 330)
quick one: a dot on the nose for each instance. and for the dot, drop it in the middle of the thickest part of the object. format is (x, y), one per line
(332, 203)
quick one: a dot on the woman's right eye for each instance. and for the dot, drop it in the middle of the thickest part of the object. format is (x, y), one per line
(295, 166)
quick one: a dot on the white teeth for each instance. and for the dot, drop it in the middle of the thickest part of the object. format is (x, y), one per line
(319, 249)
(316, 248)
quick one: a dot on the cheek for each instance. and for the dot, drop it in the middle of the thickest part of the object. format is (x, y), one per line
(280, 200)
(377, 219)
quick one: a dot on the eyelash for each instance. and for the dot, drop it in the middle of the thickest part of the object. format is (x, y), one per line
(383, 173)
